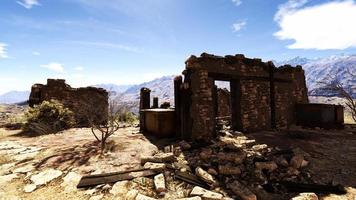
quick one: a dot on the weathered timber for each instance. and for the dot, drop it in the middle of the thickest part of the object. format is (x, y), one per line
(191, 179)
(93, 180)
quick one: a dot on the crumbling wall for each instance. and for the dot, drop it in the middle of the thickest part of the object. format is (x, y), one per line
(262, 96)
(86, 103)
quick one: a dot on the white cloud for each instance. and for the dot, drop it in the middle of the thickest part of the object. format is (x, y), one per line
(28, 3)
(57, 67)
(324, 26)
(109, 45)
(79, 68)
(3, 50)
(35, 53)
(237, 2)
(238, 26)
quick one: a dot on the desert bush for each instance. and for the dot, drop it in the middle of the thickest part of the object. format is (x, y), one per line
(48, 117)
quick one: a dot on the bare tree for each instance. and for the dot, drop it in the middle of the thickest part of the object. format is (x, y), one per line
(332, 84)
(103, 131)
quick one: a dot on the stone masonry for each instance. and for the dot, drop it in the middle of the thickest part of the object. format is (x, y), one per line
(262, 96)
(86, 103)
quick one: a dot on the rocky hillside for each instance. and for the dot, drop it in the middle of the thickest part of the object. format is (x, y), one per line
(341, 68)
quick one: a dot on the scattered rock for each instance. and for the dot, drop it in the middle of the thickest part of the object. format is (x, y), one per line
(191, 198)
(70, 182)
(306, 196)
(97, 197)
(234, 157)
(155, 166)
(45, 176)
(24, 169)
(229, 170)
(120, 188)
(7, 178)
(29, 188)
(212, 171)
(205, 194)
(297, 161)
(160, 183)
(159, 158)
(131, 195)
(185, 145)
(143, 197)
(205, 176)
(241, 191)
(270, 166)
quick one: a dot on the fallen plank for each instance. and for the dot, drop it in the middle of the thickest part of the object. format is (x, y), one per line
(316, 188)
(190, 178)
(97, 179)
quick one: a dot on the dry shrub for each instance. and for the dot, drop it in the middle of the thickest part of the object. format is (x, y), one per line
(48, 117)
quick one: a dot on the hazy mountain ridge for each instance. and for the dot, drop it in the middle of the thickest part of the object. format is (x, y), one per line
(316, 70)
(343, 68)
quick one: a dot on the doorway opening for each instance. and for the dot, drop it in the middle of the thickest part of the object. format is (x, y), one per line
(222, 104)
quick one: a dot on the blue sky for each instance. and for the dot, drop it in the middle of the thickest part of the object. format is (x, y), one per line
(132, 41)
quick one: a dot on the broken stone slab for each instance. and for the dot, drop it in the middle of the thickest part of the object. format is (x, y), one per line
(259, 147)
(160, 183)
(191, 198)
(270, 166)
(24, 169)
(120, 188)
(143, 197)
(306, 196)
(7, 178)
(159, 158)
(241, 191)
(45, 176)
(205, 194)
(229, 170)
(29, 188)
(131, 195)
(154, 166)
(205, 176)
(70, 182)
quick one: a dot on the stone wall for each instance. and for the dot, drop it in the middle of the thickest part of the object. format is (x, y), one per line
(262, 96)
(86, 103)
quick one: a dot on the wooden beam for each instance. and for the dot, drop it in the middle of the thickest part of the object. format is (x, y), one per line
(93, 180)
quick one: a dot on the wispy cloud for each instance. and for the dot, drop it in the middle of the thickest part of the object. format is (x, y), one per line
(237, 2)
(36, 53)
(54, 66)
(236, 27)
(79, 68)
(28, 3)
(109, 45)
(323, 26)
(3, 50)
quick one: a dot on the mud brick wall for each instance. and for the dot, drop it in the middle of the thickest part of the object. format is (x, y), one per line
(89, 102)
(262, 96)
(255, 105)
(224, 103)
(202, 111)
(288, 94)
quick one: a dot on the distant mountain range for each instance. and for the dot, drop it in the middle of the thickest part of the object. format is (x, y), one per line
(316, 70)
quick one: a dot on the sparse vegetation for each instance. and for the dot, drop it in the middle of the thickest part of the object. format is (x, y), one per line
(48, 117)
(332, 84)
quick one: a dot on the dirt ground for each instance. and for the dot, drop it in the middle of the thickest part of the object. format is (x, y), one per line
(332, 159)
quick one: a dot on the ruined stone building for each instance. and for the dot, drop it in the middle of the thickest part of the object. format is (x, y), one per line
(88, 102)
(262, 96)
